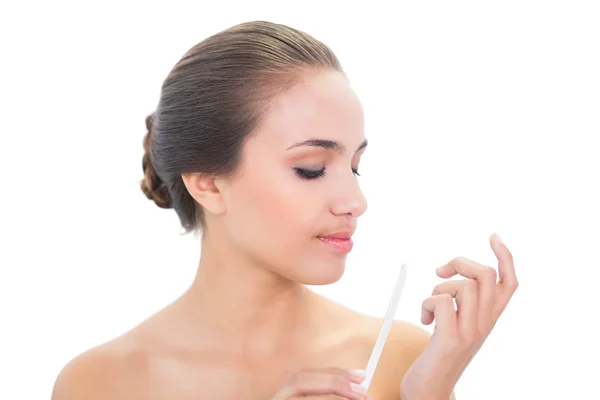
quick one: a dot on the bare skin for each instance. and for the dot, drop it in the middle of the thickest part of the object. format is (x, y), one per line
(247, 323)
(166, 358)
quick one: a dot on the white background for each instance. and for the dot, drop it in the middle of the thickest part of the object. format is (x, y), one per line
(481, 117)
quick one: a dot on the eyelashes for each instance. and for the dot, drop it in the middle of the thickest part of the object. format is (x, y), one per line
(312, 174)
(309, 174)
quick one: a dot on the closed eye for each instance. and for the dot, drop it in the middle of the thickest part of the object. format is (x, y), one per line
(315, 174)
(309, 174)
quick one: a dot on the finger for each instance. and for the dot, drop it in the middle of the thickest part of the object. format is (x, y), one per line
(331, 381)
(486, 286)
(465, 293)
(508, 282)
(506, 265)
(440, 308)
(463, 266)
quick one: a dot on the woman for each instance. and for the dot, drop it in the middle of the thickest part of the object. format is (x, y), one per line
(256, 142)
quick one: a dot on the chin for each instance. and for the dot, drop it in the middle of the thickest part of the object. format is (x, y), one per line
(323, 274)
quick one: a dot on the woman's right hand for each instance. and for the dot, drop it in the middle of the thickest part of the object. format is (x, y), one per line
(323, 382)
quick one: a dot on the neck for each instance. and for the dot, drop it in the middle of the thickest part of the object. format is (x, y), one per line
(246, 306)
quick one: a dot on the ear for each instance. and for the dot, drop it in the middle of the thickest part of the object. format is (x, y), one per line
(204, 189)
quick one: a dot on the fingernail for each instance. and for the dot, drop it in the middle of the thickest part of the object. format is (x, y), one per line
(357, 388)
(359, 373)
(499, 239)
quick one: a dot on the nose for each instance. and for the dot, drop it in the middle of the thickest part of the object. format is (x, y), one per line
(349, 200)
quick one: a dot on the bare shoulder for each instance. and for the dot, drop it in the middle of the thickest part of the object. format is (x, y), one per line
(122, 368)
(405, 343)
(105, 371)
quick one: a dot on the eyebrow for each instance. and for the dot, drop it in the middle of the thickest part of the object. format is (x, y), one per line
(327, 144)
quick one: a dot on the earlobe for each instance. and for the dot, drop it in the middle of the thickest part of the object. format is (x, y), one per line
(203, 188)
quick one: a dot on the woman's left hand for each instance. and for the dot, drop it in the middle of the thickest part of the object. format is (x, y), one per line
(459, 334)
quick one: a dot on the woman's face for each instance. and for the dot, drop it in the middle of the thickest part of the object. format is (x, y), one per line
(298, 182)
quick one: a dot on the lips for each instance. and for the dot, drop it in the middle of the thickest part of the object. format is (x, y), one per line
(339, 235)
(340, 241)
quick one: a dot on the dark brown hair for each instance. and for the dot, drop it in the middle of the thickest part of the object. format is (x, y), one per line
(213, 99)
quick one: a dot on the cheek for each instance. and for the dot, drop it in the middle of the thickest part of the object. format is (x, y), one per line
(275, 209)
(275, 220)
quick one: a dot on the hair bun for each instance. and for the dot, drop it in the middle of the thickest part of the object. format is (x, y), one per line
(152, 186)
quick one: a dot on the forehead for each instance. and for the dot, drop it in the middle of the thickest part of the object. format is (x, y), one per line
(322, 105)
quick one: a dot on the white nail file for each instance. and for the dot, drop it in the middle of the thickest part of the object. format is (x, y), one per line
(385, 328)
